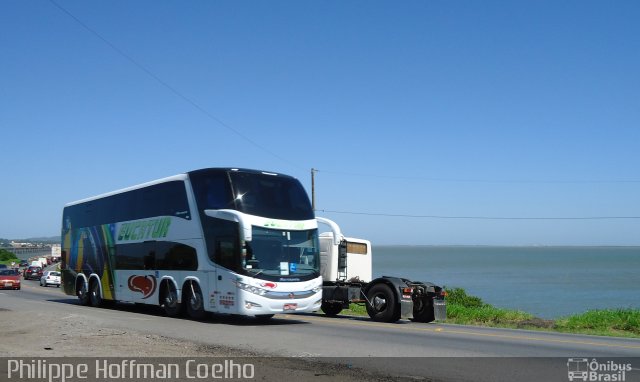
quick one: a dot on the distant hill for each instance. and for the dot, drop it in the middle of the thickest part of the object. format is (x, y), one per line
(43, 240)
(50, 239)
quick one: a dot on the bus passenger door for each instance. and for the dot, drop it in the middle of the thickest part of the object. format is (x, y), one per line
(211, 296)
(227, 257)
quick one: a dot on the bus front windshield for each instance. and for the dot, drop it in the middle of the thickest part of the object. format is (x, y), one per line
(283, 255)
(276, 197)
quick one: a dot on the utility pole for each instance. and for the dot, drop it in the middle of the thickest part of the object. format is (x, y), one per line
(313, 189)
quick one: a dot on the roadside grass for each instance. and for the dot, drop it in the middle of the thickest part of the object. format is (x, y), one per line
(464, 309)
(471, 310)
(356, 310)
(609, 322)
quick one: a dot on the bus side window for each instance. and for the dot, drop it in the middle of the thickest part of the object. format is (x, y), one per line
(226, 252)
(217, 194)
(223, 242)
(150, 260)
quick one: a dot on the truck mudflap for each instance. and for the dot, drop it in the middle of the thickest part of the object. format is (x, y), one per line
(406, 308)
(440, 309)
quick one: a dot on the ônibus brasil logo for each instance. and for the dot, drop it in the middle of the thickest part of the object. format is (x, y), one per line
(609, 371)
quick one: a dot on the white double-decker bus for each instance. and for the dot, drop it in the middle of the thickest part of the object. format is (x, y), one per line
(219, 240)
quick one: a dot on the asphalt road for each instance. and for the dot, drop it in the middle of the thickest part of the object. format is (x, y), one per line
(403, 349)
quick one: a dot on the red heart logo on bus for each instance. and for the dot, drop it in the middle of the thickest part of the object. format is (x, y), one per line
(143, 284)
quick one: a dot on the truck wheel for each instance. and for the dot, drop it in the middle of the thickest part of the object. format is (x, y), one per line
(331, 309)
(384, 307)
(95, 296)
(423, 310)
(195, 303)
(169, 300)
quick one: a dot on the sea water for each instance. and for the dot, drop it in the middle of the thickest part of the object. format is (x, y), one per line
(549, 282)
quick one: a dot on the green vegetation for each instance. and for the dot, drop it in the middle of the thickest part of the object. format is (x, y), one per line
(610, 322)
(464, 309)
(471, 310)
(356, 310)
(7, 257)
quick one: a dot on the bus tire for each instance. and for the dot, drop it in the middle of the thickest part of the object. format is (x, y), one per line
(82, 292)
(95, 294)
(382, 306)
(169, 300)
(331, 309)
(194, 300)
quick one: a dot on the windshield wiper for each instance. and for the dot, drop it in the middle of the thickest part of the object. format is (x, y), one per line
(254, 270)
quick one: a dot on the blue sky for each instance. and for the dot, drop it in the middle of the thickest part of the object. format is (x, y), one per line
(424, 118)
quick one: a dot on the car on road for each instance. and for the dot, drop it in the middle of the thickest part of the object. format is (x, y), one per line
(23, 263)
(3, 266)
(33, 273)
(50, 278)
(9, 279)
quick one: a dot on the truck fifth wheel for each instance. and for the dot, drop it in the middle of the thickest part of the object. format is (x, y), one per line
(346, 268)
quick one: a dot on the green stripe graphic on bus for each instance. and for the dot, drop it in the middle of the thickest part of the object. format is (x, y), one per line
(144, 230)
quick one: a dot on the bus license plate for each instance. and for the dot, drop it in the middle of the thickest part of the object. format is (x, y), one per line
(9, 285)
(290, 307)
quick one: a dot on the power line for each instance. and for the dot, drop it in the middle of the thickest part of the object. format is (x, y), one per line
(454, 180)
(220, 122)
(482, 217)
(449, 217)
(167, 86)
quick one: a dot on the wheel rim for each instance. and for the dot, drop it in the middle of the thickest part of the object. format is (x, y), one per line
(82, 293)
(171, 300)
(379, 303)
(95, 294)
(195, 301)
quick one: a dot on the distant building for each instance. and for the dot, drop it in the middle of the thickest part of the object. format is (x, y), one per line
(15, 244)
(55, 250)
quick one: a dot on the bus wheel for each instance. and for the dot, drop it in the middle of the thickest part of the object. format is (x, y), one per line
(95, 295)
(169, 300)
(195, 303)
(83, 294)
(382, 304)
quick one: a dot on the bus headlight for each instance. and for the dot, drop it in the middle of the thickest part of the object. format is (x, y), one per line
(251, 288)
(249, 305)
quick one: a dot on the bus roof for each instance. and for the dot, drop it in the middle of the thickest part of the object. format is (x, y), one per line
(239, 170)
(178, 177)
(142, 185)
